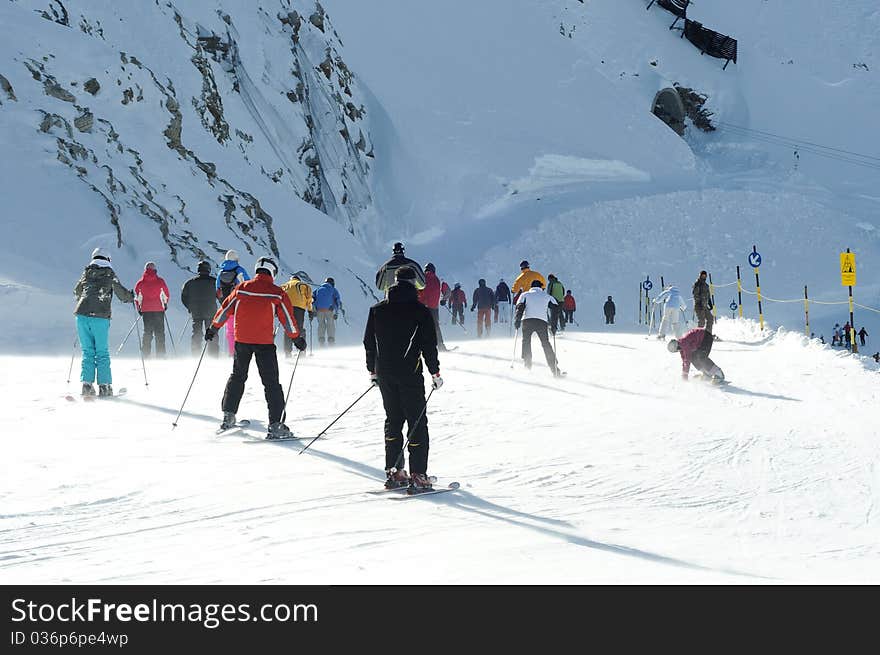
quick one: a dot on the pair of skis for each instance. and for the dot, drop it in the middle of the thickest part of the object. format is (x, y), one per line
(245, 423)
(119, 392)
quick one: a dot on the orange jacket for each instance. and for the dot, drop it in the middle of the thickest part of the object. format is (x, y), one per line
(523, 281)
(255, 304)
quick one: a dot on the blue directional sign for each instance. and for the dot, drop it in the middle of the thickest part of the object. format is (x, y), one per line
(733, 306)
(754, 259)
(647, 285)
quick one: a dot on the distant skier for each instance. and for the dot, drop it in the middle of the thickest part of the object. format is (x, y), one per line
(502, 297)
(673, 308)
(399, 335)
(484, 300)
(445, 292)
(848, 334)
(227, 279)
(430, 298)
(694, 348)
(199, 297)
(556, 289)
(835, 335)
(327, 304)
(569, 306)
(610, 310)
(531, 314)
(862, 334)
(151, 299)
(703, 302)
(458, 301)
(94, 292)
(255, 302)
(385, 274)
(523, 281)
(300, 293)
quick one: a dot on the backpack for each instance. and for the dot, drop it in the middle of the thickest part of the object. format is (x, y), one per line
(227, 283)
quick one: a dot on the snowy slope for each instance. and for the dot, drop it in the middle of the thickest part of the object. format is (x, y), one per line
(620, 473)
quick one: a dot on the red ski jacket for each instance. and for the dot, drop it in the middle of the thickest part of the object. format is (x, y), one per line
(430, 295)
(151, 292)
(568, 303)
(255, 304)
(458, 297)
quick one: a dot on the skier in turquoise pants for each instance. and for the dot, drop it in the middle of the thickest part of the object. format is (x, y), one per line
(93, 292)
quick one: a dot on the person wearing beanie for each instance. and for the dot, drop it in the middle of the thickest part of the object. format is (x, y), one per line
(502, 296)
(523, 281)
(569, 306)
(398, 338)
(300, 294)
(531, 314)
(430, 298)
(694, 348)
(610, 310)
(94, 293)
(229, 275)
(457, 303)
(556, 289)
(327, 303)
(151, 299)
(484, 300)
(257, 303)
(199, 297)
(385, 275)
(703, 302)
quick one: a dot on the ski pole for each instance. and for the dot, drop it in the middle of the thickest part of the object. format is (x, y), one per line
(204, 348)
(290, 386)
(183, 331)
(413, 429)
(336, 419)
(130, 330)
(141, 347)
(170, 336)
(72, 357)
(513, 357)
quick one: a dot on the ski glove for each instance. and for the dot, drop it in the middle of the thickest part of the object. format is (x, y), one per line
(300, 343)
(374, 379)
(436, 381)
(209, 334)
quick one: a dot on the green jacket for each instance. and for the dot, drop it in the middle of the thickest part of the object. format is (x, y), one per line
(557, 290)
(95, 289)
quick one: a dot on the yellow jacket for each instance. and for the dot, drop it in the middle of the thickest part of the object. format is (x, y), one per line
(523, 282)
(299, 292)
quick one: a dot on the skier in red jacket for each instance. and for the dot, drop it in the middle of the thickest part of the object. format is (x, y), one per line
(569, 306)
(694, 348)
(430, 298)
(256, 304)
(151, 299)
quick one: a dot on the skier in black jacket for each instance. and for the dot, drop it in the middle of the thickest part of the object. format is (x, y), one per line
(399, 334)
(484, 300)
(199, 296)
(385, 275)
(502, 295)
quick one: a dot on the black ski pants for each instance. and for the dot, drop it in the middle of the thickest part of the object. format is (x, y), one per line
(154, 327)
(435, 314)
(299, 315)
(404, 400)
(609, 319)
(532, 326)
(557, 320)
(569, 315)
(267, 365)
(199, 327)
(700, 358)
(458, 311)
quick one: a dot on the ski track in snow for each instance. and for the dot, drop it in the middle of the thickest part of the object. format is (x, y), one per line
(620, 472)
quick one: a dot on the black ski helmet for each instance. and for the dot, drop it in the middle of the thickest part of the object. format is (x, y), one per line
(405, 274)
(330, 281)
(458, 285)
(482, 282)
(609, 297)
(397, 249)
(537, 283)
(524, 264)
(204, 267)
(430, 267)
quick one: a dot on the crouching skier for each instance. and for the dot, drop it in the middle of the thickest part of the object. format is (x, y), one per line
(694, 348)
(253, 303)
(399, 333)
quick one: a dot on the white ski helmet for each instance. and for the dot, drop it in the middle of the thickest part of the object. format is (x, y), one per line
(232, 254)
(672, 346)
(267, 264)
(100, 253)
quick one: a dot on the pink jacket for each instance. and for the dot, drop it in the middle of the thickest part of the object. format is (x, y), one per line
(687, 345)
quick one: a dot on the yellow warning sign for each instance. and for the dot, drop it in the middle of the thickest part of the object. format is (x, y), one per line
(848, 269)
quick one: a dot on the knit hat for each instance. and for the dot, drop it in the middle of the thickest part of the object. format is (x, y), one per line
(100, 253)
(524, 264)
(398, 248)
(482, 282)
(330, 281)
(150, 266)
(672, 346)
(266, 264)
(231, 254)
(204, 267)
(405, 274)
(430, 267)
(537, 283)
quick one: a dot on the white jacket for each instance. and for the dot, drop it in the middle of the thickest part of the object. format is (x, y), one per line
(535, 301)
(671, 298)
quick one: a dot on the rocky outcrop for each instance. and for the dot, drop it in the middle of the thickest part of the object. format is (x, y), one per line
(7, 90)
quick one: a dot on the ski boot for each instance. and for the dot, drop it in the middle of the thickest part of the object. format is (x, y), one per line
(419, 482)
(105, 391)
(278, 430)
(229, 421)
(396, 478)
(88, 390)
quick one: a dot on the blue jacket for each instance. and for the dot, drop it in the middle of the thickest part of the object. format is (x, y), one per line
(327, 297)
(232, 265)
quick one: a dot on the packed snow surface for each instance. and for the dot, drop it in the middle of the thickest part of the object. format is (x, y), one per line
(619, 473)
